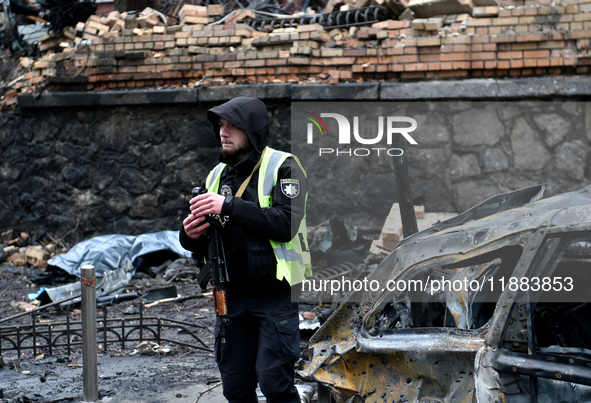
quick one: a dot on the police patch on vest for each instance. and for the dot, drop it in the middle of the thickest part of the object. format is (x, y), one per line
(290, 187)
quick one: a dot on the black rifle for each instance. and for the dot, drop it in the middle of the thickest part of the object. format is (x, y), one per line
(217, 266)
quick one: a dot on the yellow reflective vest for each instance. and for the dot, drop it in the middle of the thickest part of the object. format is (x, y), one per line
(293, 257)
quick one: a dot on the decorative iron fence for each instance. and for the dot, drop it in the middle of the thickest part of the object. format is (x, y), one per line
(48, 336)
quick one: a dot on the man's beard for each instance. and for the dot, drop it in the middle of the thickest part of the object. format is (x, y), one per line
(232, 156)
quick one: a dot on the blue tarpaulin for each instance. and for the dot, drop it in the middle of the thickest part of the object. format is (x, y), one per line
(109, 252)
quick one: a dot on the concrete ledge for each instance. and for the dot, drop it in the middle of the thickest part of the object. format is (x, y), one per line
(424, 90)
(147, 97)
(107, 98)
(545, 87)
(478, 89)
(56, 99)
(343, 92)
(488, 89)
(262, 91)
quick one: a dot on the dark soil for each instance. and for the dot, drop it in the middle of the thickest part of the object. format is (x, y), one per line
(179, 375)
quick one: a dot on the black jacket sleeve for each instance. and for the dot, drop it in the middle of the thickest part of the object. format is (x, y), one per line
(280, 221)
(197, 246)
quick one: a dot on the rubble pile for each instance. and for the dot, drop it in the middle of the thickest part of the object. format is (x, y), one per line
(17, 249)
(391, 234)
(419, 39)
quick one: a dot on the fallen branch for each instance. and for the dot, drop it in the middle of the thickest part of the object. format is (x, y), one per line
(176, 299)
(207, 391)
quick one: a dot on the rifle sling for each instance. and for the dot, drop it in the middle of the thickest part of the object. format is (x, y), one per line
(245, 183)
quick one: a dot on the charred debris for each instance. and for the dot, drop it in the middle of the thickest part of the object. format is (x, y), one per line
(67, 23)
(136, 277)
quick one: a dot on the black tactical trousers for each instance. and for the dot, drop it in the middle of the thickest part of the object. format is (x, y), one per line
(262, 344)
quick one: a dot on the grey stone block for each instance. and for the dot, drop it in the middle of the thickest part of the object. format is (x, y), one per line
(361, 91)
(56, 99)
(147, 97)
(439, 90)
(262, 91)
(544, 87)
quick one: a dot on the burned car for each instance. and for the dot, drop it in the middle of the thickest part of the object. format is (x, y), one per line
(489, 306)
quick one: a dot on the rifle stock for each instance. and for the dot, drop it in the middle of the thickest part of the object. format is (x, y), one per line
(219, 272)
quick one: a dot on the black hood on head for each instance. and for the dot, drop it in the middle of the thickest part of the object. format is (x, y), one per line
(248, 114)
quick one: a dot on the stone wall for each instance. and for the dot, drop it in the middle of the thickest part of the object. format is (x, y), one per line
(467, 151)
(130, 168)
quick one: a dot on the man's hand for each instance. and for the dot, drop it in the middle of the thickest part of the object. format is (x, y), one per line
(194, 226)
(208, 203)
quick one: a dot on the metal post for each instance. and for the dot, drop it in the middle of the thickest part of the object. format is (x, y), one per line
(89, 353)
(404, 194)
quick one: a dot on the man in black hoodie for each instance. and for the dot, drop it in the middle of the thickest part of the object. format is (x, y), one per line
(261, 195)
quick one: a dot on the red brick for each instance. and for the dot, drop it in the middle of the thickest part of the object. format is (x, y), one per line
(536, 54)
(478, 65)
(530, 38)
(276, 62)
(503, 64)
(543, 62)
(516, 64)
(461, 48)
(481, 39)
(452, 73)
(395, 51)
(343, 60)
(412, 75)
(398, 24)
(233, 64)
(354, 52)
(254, 63)
(483, 56)
(429, 58)
(407, 59)
(172, 74)
(448, 57)
(515, 72)
(530, 63)
(580, 34)
(346, 75)
(509, 55)
(461, 65)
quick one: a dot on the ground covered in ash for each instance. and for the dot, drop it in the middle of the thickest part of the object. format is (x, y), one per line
(125, 374)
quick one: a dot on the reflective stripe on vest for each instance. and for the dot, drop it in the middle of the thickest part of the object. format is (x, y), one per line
(293, 258)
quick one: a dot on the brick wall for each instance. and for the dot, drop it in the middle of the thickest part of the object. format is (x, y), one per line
(524, 40)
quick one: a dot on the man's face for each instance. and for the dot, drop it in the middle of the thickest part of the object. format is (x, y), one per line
(235, 143)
